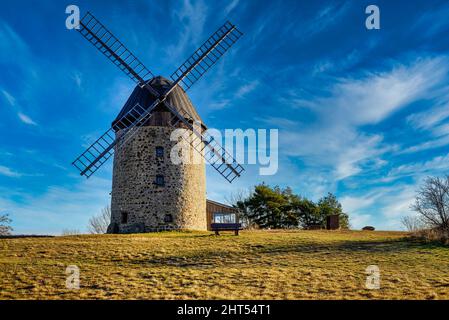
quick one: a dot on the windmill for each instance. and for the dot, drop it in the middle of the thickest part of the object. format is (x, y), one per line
(148, 192)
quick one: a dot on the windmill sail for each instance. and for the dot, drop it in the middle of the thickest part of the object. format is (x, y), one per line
(103, 148)
(185, 76)
(206, 56)
(112, 48)
(216, 155)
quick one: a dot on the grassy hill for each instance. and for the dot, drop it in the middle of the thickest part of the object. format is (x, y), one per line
(195, 265)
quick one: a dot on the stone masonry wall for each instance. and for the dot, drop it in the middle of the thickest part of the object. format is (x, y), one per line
(148, 206)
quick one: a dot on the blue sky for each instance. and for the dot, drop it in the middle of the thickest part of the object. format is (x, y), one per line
(363, 114)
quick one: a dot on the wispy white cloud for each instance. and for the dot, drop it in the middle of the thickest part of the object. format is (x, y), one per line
(427, 145)
(5, 153)
(11, 42)
(231, 6)
(358, 221)
(221, 99)
(382, 207)
(9, 98)
(77, 78)
(394, 201)
(343, 151)
(191, 18)
(374, 97)
(435, 121)
(8, 172)
(397, 204)
(219, 105)
(278, 122)
(441, 130)
(355, 204)
(13, 103)
(429, 119)
(26, 119)
(437, 165)
(57, 208)
(432, 21)
(116, 95)
(326, 65)
(246, 89)
(324, 18)
(336, 140)
(335, 146)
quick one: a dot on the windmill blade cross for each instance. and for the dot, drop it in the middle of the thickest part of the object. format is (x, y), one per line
(185, 76)
(103, 148)
(217, 156)
(205, 56)
(113, 49)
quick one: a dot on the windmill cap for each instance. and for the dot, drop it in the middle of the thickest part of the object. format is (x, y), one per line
(177, 98)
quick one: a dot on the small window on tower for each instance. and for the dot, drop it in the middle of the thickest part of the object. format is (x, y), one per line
(168, 218)
(160, 181)
(159, 152)
(124, 217)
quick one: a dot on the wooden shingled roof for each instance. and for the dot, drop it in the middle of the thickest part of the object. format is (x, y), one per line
(177, 98)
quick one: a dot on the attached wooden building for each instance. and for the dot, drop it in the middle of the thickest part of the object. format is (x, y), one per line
(220, 213)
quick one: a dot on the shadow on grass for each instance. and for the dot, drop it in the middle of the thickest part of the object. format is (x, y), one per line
(348, 246)
(252, 253)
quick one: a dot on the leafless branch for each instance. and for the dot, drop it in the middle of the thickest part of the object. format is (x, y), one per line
(432, 202)
(5, 229)
(99, 224)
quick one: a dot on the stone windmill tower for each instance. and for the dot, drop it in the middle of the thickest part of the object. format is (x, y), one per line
(150, 191)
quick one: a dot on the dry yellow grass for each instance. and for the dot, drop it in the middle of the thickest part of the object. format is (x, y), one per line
(255, 265)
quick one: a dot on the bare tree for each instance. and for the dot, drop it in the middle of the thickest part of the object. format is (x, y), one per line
(99, 224)
(237, 196)
(412, 223)
(237, 199)
(432, 203)
(5, 229)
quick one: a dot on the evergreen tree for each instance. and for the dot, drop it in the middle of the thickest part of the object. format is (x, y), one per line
(329, 205)
(266, 206)
(274, 208)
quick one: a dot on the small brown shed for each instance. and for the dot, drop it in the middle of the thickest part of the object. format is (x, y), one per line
(216, 210)
(333, 222)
